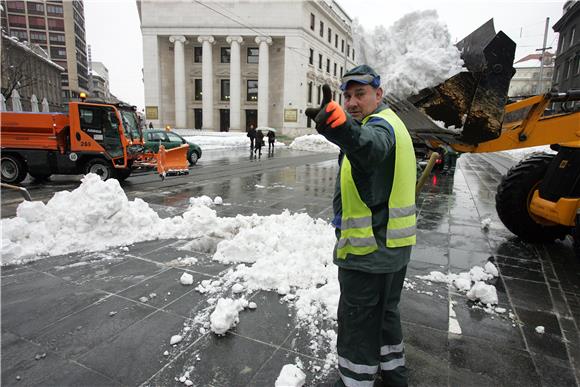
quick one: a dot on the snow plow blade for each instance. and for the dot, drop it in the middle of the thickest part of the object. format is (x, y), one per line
(172, 162)
(472, 100)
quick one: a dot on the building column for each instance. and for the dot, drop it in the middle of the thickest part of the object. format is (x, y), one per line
(263, 79)
(235, 83)
(207, 82)
(152, 80)
(179, 76)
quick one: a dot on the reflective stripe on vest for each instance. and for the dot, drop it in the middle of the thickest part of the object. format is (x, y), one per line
(356, 234)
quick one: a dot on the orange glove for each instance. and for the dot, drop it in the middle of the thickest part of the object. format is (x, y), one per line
(330, 115)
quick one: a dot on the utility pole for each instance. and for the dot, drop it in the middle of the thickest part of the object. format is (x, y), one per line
(543, 49)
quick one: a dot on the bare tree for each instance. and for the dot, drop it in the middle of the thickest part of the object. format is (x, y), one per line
(17, 68)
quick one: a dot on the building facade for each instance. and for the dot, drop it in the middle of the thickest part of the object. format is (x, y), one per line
(59, 28)
(567, 66)
(231, 65)
(526, 81)
(99, 82)
(27, 69)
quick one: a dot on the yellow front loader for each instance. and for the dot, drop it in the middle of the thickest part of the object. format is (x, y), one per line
(539, 198)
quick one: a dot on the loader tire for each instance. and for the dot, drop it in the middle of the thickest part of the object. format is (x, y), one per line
(101, 167)
(514, 195)
(13, 169)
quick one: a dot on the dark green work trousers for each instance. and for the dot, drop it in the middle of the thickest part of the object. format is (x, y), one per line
(370, 339)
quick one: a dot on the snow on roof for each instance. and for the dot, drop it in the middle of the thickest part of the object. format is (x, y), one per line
(33, 50)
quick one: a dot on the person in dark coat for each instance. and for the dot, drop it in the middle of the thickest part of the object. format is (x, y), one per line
(271, 140)
(252, 135)
(259, 142)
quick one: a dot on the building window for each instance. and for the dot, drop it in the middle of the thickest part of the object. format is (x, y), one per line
(310, 92)
(225, 54)
(335, 66)
(253, 54)
(339, 98)
(35, 8)
(572, 33)
(557, 77)
(578, 63)
(225, 89)
(318, 93)
(348, 50)
(329, 35)
(57, 52)
(198, 90)
(197, 54)
(54, 10)
(561, 43)
(569, 68)
(334, 95)
(312, 21)
(321, 29)
(15, 6)
(342, 45)
(17, 21)
(353, 53)
(311, 58)
(20, 34)
(37, 37)
(328, 66)
(252, 90)
(320, 61)
(341, 70)
(336, 41)
(56, 38)
(56, 24)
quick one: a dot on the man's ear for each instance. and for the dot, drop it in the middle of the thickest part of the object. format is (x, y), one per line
(379, 94)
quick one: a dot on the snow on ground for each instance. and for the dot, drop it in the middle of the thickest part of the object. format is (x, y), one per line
(222, 140)
(520, 154)
(313, 143)
(290, 376)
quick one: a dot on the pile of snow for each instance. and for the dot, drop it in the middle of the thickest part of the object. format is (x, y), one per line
(313, 143)
(290, 376)
(520, 154)
(207, 141)
(473, 283)
(414, 53)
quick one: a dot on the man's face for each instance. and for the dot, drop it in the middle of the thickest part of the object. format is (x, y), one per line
(361, 100)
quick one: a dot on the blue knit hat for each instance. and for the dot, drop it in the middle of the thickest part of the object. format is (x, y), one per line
(363, 74)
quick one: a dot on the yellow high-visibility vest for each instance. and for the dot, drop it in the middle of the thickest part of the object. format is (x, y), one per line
(356, 234)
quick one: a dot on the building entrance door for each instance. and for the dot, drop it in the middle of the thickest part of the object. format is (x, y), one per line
(224, 120)
(251, 118)
(197, 117)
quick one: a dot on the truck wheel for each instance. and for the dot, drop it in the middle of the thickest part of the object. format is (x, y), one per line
(513, 198)
(100, 167)
(193, 157)
(122, 174)
(13, 169)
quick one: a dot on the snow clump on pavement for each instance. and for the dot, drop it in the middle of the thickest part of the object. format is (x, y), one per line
(290, 376)
(226, 314)
(313, 143)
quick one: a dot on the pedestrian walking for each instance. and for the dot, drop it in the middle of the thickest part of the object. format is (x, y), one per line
(374, 208)
(252, 135)
(259, 142)
(271, 140)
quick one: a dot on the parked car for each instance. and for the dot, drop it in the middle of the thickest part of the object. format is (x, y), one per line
(169, 139)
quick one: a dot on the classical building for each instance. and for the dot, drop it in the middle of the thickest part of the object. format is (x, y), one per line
(227, 65)
(27, 69)
(567, 66)
(526, 81)
(59, 28)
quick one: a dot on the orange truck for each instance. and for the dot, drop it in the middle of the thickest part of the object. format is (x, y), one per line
(91, 138)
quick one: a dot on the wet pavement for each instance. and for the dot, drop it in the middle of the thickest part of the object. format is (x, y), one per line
(81, 319)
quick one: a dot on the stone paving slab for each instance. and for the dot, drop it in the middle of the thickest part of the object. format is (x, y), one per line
(62, 305)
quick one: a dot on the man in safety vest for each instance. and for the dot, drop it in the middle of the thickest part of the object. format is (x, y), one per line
(374, 208)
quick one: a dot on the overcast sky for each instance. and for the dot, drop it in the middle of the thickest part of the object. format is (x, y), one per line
(113, 29)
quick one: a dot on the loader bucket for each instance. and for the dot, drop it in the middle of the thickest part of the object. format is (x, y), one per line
(171, 162)
(474, 100)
